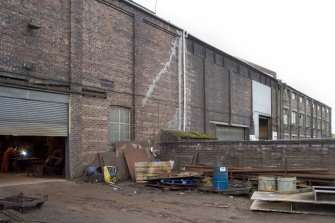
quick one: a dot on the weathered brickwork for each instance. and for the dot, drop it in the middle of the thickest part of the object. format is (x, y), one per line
(105, 53)
(240, 99)
(227, 97)
(46, 47)
(217, 95)
(269, 154)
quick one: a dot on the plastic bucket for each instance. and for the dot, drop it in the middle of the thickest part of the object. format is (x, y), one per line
(220, 178)
(286, 183)
(266, 183)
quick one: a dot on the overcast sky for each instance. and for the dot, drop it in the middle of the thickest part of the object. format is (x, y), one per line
(295, 38)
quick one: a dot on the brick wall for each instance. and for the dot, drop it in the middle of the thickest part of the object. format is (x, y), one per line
(268, 154)
(92, 43)
(46, 47)
(218, 88)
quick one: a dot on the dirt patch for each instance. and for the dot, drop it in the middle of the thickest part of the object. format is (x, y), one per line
(73, 202)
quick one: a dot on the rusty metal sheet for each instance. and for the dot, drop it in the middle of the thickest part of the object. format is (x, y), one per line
(111, 159)
(135, 155)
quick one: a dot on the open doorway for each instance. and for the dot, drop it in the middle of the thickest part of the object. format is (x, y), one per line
(264, 133)
(33, 155)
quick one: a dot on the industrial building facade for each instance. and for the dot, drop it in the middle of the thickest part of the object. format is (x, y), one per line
(81, 75)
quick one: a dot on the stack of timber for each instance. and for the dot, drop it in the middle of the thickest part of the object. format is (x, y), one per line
(148, 170)
(310, 175)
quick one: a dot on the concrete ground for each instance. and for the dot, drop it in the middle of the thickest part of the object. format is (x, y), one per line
(13, 179)
(86, 203)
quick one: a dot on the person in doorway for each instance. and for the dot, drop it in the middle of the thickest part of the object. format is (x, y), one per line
(6, 158)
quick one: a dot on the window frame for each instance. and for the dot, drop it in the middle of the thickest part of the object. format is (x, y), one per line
(302, 120)
(293, 118)
(308, 121)
(285, 116)
(119, 123)
(301, 100)
(318, 124)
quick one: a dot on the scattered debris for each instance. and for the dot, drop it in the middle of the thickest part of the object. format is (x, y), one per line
(11, 216)
(22, 202)
(187, 175)
(308, 175)
(304, 203)
(229, 191)
(110, 174)
(216, 205)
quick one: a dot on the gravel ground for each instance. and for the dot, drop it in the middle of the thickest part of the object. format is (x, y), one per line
(81, 202)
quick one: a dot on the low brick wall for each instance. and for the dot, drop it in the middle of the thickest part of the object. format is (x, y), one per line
(269, 154)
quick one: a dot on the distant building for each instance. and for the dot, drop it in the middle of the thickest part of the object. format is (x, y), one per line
(81, 75)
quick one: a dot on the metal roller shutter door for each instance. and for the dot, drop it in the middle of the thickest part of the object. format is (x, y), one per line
(32, 113)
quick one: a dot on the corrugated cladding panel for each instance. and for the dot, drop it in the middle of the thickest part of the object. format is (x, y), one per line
(32, 116)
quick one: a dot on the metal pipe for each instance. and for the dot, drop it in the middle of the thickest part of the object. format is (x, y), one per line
(256, 170)
(184, 78)
(180, 73)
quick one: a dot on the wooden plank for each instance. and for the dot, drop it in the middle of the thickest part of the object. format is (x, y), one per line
(150, 175)
(153, 173)
(146, 170)
(151, 168)
(153, 164)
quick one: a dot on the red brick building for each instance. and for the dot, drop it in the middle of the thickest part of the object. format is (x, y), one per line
(80, 75)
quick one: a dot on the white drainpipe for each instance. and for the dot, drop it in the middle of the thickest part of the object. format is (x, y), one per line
(184, 77)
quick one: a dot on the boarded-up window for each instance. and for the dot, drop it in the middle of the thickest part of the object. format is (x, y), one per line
(199, 50)
(190, 46)
(210, 55)
(243, 70)
(218, 59)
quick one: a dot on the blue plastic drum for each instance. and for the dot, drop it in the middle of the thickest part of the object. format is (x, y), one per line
(220, 178)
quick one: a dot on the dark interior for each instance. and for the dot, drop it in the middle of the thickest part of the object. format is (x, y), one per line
(34, 155)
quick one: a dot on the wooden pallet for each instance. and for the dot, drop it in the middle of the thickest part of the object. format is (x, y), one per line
(147, 170)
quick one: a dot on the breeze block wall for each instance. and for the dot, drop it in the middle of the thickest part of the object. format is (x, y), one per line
(318, 153)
